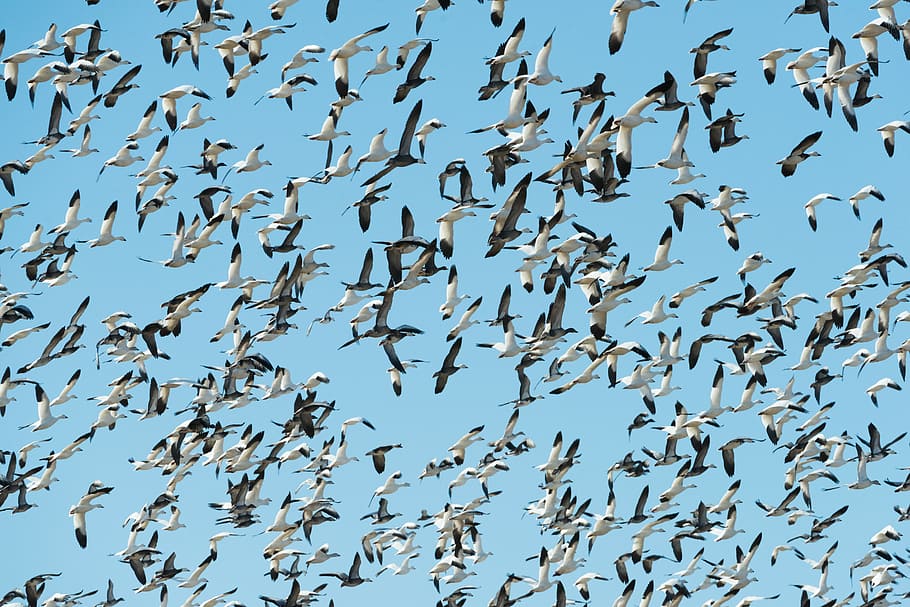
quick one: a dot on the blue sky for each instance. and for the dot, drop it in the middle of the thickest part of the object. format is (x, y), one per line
(775, 118)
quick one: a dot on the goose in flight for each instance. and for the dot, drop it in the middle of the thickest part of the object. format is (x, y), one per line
(662, 254)
(340, 56)
(677, 157)
(769, 61)
(508, 51)
(352, 577)
(448, 367)
(814, 202)
(106, 236)
(414, 77)
(85, 504)
(169, 101)
(707, 47)
(588, 94)
(864, 193)
(301, 58)
(889, 131)
(288, 89)
(800, 68)
(621, 10)
(628, 121)
(799, 153)
(403, 156)
(45, 418)
(542, 75)
(382, 65)
(811, 7)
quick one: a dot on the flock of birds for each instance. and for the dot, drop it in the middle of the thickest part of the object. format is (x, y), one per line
(176, 387)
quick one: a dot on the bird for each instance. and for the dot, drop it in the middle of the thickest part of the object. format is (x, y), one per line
(352, 577)
(814, 202)
(301, 58)
(702, 51)
(811, 7)
(340, 56)
(6, 174)
(83, 149)
(86, 504)
(677, 205)
(448, 367)
(123, 158)
(630, 120)
(889, 131)
(662, 259)
(106, 236)
(621, 10)
(144, 129)
(874, 389)
(169, 101)
(45, 418)
(542, 76)
(588, 94)
(799, 153)
(414, 77)
(769, 61)
(863, 193)
(403, 156)
(289, 88)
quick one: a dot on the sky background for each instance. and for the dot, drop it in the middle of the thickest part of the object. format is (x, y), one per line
(775, 118)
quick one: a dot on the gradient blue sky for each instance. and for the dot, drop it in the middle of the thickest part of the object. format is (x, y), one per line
(775, 119)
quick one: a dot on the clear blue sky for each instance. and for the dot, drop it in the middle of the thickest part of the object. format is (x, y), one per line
(775, 118)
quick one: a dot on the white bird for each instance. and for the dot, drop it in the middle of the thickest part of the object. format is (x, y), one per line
(194, 118)
(288, 88)
(391, 485)
(864, 193)
(145, 127)
(377, 151)
(123, 157)
(868, 39)
(769, 61)
(328, 131)
(814, 202)
(382, 65)
(662, 254)
(874, 389)
(169, 101)
(301, 58)
(86, 504)
(106, 236)
(888, 132)
(542, 74)
(887, 534)
(465, 321)
(402, 568)
(621, 10)
(508, 347)
(430, 126)
(34, 242)
(72, 219)
(752, 263)
(84, 149)
(800, 68)
(340, 56)
(45, 418)
(452, 298)
(543, 581)
(250, 163)
(11, 67)
(655, 315)
(630, 120)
